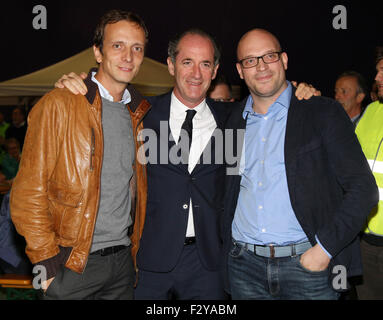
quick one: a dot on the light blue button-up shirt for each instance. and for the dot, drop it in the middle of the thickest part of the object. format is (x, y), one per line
(264, 214)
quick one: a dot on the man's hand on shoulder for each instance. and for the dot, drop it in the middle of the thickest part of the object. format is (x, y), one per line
(305, 91)
(73, 82)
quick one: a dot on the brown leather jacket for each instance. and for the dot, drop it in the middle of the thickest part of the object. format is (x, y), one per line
(55, 196)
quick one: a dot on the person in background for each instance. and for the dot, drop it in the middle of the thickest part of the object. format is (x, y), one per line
(18, 127)
(374, 92)
(370, 135)
(351, 92)
(10, 163)
(220, 90)
(3, 128)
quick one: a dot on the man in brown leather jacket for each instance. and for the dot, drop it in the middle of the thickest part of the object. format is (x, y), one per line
(74, 191)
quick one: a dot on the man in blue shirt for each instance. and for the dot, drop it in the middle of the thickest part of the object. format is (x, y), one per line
(303, 189)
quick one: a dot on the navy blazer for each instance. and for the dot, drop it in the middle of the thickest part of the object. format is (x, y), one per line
(331, 187)
(170, 187)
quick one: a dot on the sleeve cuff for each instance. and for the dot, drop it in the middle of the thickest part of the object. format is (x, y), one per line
(329, 255)
(52, 265)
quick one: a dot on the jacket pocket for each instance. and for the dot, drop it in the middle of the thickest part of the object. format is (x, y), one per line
(64, 205)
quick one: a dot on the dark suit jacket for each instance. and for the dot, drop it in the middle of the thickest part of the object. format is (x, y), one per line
(170, 186)
(331, 187)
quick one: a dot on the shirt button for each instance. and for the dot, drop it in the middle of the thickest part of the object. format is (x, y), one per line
(260, 184)
(262, 162)
(263, 230)
(87, 215)
(185, 206)
(263, 139)
(260, 207)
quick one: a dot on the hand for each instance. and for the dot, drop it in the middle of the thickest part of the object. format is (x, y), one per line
(305, 91)
(315, 259)
(73, 82)
(45, 284)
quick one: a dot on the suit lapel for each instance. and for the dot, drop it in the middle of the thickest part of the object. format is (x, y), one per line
(218, 113)
(237, 123)
(293, 137)
(293, 129)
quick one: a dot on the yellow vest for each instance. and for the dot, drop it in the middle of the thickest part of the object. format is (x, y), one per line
(370, 134)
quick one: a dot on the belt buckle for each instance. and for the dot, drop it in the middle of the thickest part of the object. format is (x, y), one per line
(272, 251)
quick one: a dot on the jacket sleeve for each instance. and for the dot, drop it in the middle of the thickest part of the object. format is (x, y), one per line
(29, 195)
(352, 172)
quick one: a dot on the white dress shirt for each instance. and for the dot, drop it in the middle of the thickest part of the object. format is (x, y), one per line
(203, 127)
(126, 98)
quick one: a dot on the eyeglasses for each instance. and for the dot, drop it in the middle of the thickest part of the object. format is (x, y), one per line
(267, 58)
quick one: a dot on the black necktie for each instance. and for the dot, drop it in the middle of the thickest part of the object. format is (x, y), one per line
(186, 135)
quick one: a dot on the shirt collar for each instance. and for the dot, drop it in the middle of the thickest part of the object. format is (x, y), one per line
(283, 100)
(126, 98)
(178, 109)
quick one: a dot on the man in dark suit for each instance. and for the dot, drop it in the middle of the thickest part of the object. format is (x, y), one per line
(302, 189)
(180, 247)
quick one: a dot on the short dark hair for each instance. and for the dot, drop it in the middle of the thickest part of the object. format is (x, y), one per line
(114, 16)
(219, 79)
(21, 109)
(378, 54)
(361, 81)
(173, 44)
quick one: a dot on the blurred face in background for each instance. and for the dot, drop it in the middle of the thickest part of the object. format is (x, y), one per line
(13, 148)
(221, 93)
(348, 95)
(17, 117)
(379, 80)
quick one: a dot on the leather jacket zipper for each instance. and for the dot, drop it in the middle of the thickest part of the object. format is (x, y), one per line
(92, 149)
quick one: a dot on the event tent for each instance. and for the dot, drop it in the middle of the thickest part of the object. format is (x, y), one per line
(152, 79)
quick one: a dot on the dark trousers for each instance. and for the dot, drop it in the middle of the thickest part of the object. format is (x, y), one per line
(189, 280)
(108, 277)
(372, 283)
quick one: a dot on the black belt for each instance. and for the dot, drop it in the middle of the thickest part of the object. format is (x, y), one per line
(109, 250)
(189, 240)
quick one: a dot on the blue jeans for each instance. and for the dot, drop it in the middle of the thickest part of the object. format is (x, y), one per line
(254, 277)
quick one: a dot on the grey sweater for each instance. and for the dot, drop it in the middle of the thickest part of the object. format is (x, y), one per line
(113, 217)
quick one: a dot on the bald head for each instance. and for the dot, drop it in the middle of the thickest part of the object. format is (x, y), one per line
(260, 37)
(262, 65)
